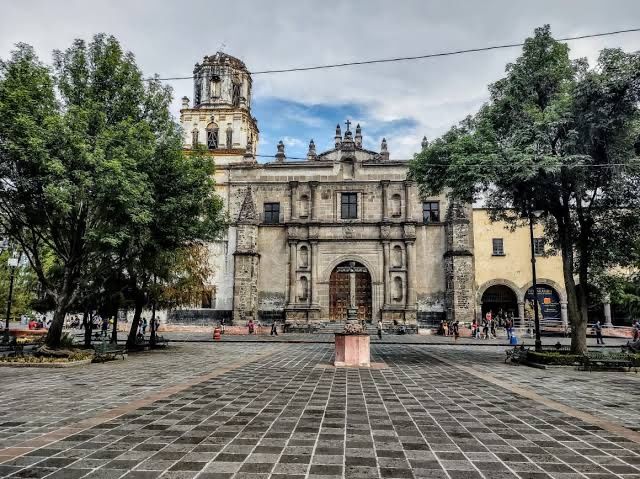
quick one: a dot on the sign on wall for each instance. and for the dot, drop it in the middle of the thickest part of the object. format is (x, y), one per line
(548, 302)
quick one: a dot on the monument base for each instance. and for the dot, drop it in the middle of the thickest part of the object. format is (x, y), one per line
(352, 350)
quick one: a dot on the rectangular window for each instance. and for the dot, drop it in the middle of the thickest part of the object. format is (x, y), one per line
(272, 213)
(430, 212)
(498, 247)
(538, 246)
(349, 206)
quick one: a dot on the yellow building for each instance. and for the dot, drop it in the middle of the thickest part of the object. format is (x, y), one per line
(503, 270)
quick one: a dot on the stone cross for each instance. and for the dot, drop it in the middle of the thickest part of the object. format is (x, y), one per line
(348, 123)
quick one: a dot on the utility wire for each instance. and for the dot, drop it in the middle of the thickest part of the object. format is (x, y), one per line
(417, 57)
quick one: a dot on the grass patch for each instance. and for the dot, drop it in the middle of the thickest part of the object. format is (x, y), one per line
(31, 359)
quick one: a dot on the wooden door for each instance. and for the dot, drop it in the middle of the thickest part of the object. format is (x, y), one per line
(339, 291)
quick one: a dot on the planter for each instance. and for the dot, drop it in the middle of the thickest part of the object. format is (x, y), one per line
(66, 364)
(352, 350)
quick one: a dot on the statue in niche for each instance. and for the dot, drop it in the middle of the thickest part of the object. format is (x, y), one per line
(304, 257)
(397, 289)
(304, 289)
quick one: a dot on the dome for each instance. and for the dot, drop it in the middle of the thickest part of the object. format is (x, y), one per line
(223, 59)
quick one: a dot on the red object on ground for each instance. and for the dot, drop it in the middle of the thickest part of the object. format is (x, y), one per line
(216, 334)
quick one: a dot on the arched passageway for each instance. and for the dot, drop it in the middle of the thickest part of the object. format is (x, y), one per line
(340, 291)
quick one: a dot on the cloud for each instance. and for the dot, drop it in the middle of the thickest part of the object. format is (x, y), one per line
(402, 101)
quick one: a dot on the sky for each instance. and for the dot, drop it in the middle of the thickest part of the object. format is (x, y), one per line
(401, 101)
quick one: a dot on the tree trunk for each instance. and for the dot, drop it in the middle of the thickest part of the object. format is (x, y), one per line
(137, 313)
(152, 340)
(63, 300)
(114, 330)
(87, 323)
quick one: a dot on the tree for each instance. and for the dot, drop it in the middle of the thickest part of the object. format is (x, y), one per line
(82, 168)
(555, 136)
(24, 287)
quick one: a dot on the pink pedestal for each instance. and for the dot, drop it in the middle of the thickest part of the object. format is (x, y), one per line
(352, 350)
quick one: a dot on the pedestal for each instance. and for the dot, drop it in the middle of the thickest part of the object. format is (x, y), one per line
(352, 350)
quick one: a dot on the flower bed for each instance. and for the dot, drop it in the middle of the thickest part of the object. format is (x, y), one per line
(29, 360)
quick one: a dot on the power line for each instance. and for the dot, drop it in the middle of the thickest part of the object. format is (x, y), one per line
(417, 57)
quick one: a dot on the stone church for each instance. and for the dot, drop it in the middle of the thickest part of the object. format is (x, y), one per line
(346, 232)
(302, 229)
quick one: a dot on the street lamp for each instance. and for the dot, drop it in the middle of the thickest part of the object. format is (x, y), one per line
(13, 261)
(537, 214)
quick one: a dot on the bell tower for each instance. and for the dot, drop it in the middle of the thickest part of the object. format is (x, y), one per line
(219, 118)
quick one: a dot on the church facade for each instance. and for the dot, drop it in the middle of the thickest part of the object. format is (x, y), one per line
(300, 230)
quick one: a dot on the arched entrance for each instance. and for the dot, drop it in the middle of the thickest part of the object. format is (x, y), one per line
(548, 303)
(340, 291)
(499, 298)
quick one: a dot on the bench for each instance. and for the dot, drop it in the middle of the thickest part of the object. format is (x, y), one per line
(108, 351)
(556, 348)
(609, 361)
(517, 355)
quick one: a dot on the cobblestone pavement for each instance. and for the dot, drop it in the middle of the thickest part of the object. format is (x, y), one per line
(288, 414)
(612, 395)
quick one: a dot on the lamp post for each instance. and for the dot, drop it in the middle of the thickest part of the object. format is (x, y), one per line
(13, 264)
(536, 316)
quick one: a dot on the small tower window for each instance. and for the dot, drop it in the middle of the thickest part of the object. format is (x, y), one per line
(235, 94)
(397, 256)
(215, 86)
(212, 136)
(229, 138)
(194, 138)
(304, 206)
(304, 257)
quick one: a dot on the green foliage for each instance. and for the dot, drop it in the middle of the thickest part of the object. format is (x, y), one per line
(95, 183)
(558, 359)
(559, 137)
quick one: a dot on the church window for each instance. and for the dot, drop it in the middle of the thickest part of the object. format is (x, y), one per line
(194, 138)
(397, 289)
(304, 206)
(229, 138)
(212, 136)
(272, 213)
(397, 256)
(304, 257)
(235, 94)
(395, 205)
(430, 212)
(498, 247)
(349, 206)
(304, 289)
(215, 86)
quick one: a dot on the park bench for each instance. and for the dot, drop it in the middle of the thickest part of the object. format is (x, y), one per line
(161, 342)
(516, 355)
(107, 351)
(597, 360)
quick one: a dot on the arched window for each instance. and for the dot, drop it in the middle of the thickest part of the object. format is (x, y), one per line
(397, 289)
(395, 205)
(194, 138)
(304, 289)
(304, 206)
(397, 256)
(229, 137)
(216, 86)
(212, 136)
(304, 257)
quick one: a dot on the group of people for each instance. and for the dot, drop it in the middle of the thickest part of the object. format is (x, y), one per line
(251, 327)
(450, 328)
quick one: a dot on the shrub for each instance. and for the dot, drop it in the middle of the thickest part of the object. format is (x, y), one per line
(555, 358)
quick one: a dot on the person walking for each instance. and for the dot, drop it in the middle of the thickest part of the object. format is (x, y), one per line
(598, 329)
(380, 329)
(105, 326)
(274, 328)
(144, 326)
(636, 330)
(456, 330)
(492, 328)
(474, 328)
(251, 326)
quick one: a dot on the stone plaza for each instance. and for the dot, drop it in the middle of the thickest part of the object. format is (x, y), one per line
(261, 408)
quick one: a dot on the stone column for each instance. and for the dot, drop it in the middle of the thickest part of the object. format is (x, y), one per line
(385, 272)
(563, 314)
(607, 311)
(314, 272)
(293, 265)
(411, 274)
(352, 312)
(385, 208)
(293, 199)
(312, 207)
(521, 310)
(407, 200)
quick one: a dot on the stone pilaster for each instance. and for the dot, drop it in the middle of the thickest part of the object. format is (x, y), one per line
(313, 185)
(407, 200)
(246, 263)
(458, 263)
(293, 264)
(385, 272)
(293, 200)
(385, 206)
(314, 272)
